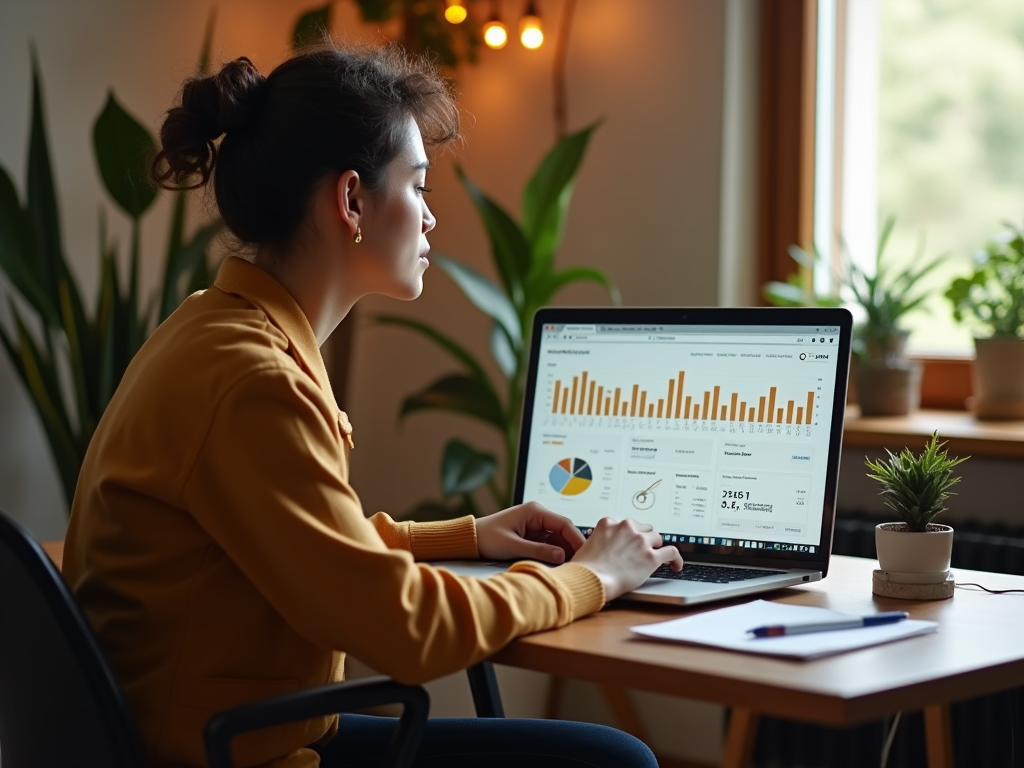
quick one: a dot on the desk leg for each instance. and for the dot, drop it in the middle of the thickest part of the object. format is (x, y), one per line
(938, 734)
(739, 742)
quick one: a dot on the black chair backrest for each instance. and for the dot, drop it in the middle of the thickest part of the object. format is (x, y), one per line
(60, 704)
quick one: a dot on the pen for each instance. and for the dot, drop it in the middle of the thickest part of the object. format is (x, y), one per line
(779, 630)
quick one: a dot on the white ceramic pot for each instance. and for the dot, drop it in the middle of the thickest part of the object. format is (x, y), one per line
(903, 551)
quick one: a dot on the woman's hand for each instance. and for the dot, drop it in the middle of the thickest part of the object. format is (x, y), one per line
(623, 553)
(527, 530)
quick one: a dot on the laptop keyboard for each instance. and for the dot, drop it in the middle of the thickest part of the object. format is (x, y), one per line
(710, 574)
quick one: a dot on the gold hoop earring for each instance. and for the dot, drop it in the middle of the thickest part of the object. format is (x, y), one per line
(359, 235)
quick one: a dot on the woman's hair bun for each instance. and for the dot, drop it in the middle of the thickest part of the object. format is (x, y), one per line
(210, 107)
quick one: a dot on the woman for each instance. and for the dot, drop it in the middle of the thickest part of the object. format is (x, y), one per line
(215, 543)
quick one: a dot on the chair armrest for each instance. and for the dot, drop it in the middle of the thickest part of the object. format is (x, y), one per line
(483, 684)
(320, 701)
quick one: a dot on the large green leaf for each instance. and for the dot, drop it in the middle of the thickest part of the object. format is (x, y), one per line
(42, 196)
(501, 349)
(446, 343)
(460, 394)
(18, 252)
(312, 27)
(557, 281)
(509, 248)
(464, 469)
(124, 149)
(484, 295)
(548, 193)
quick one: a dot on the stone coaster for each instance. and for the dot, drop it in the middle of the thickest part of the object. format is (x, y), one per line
(880, 585)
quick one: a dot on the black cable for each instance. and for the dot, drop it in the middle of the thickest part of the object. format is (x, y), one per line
(993, 591)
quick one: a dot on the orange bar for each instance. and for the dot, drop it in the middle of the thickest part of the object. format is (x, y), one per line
(714, 405)
(771, 406)
(707, 404)
(671, 391)
(643, 402)
(751, 417)
(760, 410)
(608, 406)
(743, 410)
(687, 414)
(725, 413)
(661, 406)
(572, 405)
(810, 406)
(600, 399)
(618, 396)
(590, 399)
(778, 419)
(632, 405)
(799, 414)
(650, 411)
(565, 400)
(679, 392)
(696, 411)
(732, 405)
(789, 412)
(554, 401)
(583, 393)
(625, 407)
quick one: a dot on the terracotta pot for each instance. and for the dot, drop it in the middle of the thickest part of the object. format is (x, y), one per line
(889, 390)
(901, 550)
(999, 378)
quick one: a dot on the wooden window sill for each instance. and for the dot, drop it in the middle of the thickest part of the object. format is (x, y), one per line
(966, 435)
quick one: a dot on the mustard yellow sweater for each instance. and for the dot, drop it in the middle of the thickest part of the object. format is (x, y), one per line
(221, 555)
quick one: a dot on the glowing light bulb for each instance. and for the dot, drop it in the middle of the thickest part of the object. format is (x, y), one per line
(495, 34)
(530, 33)
(455, 12)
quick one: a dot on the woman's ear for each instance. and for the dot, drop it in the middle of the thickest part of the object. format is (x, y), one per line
(350, 199)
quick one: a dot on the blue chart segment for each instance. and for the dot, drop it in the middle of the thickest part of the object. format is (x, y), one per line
(570, 477)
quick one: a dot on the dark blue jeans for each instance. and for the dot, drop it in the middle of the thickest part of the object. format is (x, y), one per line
(489, 743)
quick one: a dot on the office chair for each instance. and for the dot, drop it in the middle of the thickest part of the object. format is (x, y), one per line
(60, 704)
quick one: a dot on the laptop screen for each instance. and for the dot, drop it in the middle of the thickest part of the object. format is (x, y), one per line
(720, 428)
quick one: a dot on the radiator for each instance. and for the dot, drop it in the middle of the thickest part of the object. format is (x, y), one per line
(987, 732)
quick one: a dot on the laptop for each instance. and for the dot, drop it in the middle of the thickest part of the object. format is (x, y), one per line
(721, 427)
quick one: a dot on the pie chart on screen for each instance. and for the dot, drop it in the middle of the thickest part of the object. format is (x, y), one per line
(570, 477)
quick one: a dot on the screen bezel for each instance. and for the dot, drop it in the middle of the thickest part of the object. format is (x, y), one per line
(794, 316)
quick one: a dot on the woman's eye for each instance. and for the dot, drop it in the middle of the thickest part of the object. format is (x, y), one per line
(422, 190)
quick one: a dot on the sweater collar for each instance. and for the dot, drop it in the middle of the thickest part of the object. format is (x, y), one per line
(241, 278)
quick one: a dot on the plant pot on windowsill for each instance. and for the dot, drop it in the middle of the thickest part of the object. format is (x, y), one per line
(998, 378)
(914, 554)
(888, 384)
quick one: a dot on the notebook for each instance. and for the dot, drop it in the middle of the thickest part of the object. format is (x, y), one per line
(720, 427)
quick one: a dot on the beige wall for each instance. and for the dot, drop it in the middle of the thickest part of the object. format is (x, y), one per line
(646, 207)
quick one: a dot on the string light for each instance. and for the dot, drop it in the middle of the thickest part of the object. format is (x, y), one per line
(455, 11)
(495, 33)
(531, 35)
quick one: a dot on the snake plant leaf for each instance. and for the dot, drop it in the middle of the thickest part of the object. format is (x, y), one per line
(552, 283)
(312, 27)
(18, 251)
(509, 248)
(204, 53)
(42, 196)
(124, 149)
(79, 357)
(501, 349)
(548, 193)
(446, 343)
(484, 295)
(460, 394)
(104, 326)
(183, 258)
(464, 468)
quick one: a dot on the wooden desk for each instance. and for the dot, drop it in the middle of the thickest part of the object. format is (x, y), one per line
(977, 651)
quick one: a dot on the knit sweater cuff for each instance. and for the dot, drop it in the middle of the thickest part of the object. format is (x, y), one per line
(583, 585)
(444, 540)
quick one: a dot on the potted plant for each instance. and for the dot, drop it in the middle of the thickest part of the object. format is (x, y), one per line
(916, 488)
(992, 299)
(888, 383)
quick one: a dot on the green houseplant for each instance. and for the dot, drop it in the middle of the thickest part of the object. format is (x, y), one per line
(523, 254)
(888, 382)
(69, 359)
(916, 487)
(991, 299)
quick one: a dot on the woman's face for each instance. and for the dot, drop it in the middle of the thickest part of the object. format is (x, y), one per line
(392, 254)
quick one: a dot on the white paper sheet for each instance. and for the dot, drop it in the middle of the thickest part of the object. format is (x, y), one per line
(728, 628)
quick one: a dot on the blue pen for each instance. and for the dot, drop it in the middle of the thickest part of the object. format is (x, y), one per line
(779, 630)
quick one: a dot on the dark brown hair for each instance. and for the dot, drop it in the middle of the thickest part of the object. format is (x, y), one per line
(323, 110)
